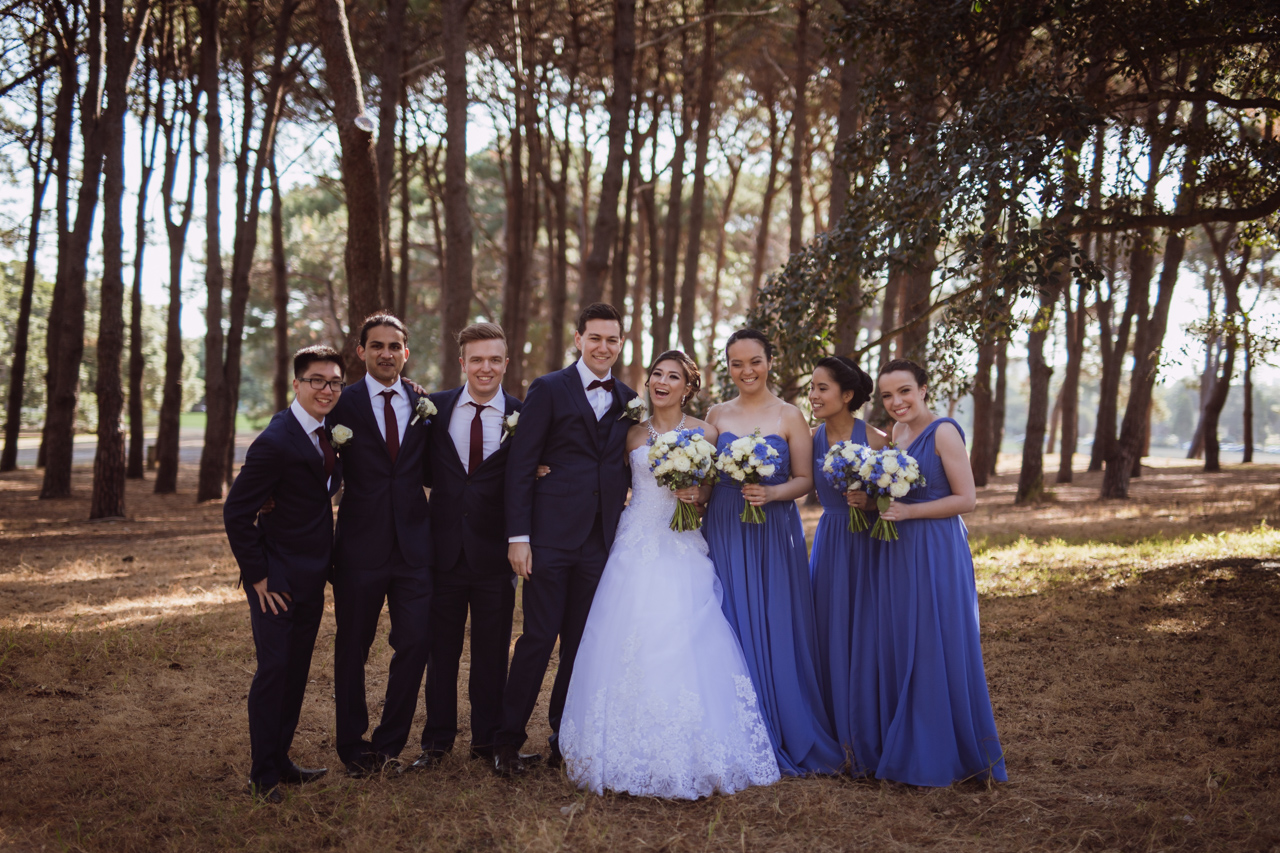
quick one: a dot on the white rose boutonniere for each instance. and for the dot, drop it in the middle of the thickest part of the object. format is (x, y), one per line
(633, 411)
(340, 436)
(509, 425)
(422, 410)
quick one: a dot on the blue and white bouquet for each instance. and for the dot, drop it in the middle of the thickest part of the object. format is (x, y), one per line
(679, 459)
(749, 460)
(847, 466)
(892, 475)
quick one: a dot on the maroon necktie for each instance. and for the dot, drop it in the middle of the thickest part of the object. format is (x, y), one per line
(476, 454)
(393, 427)
(327, 449)
(606, 384)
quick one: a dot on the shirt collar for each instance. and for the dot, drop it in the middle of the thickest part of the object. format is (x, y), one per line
(465, 399)
(587, 377)
(376, 388)
(308, 423)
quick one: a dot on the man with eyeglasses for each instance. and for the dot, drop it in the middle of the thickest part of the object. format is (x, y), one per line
(284, 558)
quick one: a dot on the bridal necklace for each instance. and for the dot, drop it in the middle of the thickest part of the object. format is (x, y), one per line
(653, 433)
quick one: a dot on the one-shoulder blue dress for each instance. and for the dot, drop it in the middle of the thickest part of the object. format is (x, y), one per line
(764, 571)
(935, 716)
(845, 574)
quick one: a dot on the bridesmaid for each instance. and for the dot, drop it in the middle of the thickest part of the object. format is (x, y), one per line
(936, 724)
(764, 567)
(843, 568)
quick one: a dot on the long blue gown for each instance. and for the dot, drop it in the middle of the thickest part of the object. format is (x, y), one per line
(935, 717)
(845, 574)
(764, 571)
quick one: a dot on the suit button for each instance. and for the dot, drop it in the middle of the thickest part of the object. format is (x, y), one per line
(596, 494)
(466, 515)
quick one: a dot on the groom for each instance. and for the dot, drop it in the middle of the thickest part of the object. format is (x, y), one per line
(560, 527)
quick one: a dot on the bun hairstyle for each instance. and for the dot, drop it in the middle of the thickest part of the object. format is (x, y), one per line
(850, 377)
(921, 377)
(750, 335)
(692, 376)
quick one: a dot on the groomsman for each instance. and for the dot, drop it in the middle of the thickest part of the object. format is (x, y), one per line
(560, 527)
(284, 560)
(383, 547)
(467, 459)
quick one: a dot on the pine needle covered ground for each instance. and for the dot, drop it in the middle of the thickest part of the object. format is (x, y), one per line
(1132, 649)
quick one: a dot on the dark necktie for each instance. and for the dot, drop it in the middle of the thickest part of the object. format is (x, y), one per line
(476, 454)
(327, 449)
(606, 384)
(393, 427)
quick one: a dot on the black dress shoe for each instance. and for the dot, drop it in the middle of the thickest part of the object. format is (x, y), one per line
(482, 753)
(530, 758)
(296, 775)
(366, 766)
(428, 759)
(554, 759)
(262, 794)
(507, 762)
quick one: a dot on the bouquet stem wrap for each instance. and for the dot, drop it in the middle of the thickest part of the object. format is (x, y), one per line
(892, 474)
(749, 460)
(680, 459)
(886, 531)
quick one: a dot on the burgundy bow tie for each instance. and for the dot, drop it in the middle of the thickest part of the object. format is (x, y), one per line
(606, 384)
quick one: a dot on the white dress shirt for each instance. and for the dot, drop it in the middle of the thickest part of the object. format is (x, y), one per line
(491, 418)
(309, 426)
(399, 403)
(601, 400)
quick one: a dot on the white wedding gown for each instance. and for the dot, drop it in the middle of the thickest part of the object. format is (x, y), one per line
(660, 703)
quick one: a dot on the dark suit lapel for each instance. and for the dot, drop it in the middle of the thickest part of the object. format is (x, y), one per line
(447, 404)
(509, 406)
(303, 443)
(364, 405)
(579, 395)
(619, 409)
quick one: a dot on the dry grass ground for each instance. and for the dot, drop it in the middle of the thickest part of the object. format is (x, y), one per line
(1133, 653)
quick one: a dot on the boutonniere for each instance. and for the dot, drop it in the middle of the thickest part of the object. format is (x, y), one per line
(340, 436)
(422, 410)
(509, 425)
(633, 411)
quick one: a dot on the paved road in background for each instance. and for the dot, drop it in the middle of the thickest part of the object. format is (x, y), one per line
(190, 441)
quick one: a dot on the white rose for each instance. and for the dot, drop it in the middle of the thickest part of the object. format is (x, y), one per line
(850, 453)
(767, 470)
(865, 470)
(738, 474)
(681, 463)
(899, 490)
(884, 481)
(890, 463)
(342, 434)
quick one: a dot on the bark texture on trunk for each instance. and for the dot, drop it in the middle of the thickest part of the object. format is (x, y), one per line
(671, 234)
(605, 231)
(363, 255)
(800, 126)
(279, 293)
(1031, 476)
(66, 319)
(760, 258)
(137, 364)
(707, 78)
(392, 64)
(1221, 387)
(456, 293)
(109, 468)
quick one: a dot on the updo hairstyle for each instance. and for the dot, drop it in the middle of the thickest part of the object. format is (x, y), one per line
(692, 376)
(850, 377)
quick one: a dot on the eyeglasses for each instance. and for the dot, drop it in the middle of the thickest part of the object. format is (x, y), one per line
(320, 383)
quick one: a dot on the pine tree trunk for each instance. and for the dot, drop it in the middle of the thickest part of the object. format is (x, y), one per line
(605, 232)
(137, 434)
(66, 319)
(671, 233)
(726, 208)
(406, 172)
(981, 442)
(1001, 397)
(1031, 477)
(760, 259)
(513, 320)
(456, 294)
(1077, 320)
(279, 293)
(1247, 391)
(108, 498)
(18, 367)
(800, 126)
(391, 84)
(707, 79)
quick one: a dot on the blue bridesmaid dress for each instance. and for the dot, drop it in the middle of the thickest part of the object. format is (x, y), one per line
(845, 572)
(935, 718)
(764, 572)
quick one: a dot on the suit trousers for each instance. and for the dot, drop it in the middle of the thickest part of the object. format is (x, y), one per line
(491, 599)
(283, 642)
(556, 601)
(358, 597)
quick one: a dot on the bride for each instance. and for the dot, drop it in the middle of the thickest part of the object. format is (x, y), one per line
(660, 703)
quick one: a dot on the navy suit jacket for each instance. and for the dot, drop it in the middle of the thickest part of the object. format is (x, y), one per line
(291, 546)
(468, 515)
(589, 471)
(382, 503)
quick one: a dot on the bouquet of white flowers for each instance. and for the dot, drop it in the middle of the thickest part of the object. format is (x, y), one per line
(847, 466)
(748, 460)
(679, 459)
(892, 475)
